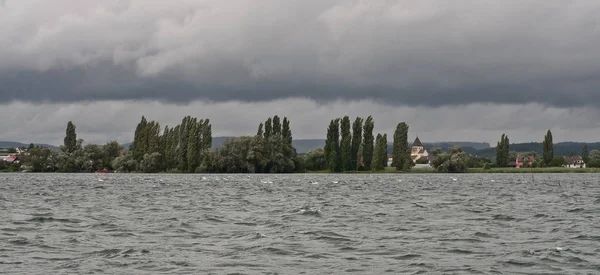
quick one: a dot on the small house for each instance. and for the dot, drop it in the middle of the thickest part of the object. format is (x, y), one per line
(574, 162)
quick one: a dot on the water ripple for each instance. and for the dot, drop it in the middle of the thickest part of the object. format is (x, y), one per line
(293, 224)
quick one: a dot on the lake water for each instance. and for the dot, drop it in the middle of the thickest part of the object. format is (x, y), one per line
(295, 224)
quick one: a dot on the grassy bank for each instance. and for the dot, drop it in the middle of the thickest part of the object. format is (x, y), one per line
(389, 170)
(535, 170)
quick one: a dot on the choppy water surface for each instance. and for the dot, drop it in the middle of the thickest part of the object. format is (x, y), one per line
(292, 224)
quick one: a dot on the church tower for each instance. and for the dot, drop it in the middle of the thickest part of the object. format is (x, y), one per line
(418, 150)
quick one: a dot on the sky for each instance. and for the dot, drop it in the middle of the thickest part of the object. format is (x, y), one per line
(462, 70)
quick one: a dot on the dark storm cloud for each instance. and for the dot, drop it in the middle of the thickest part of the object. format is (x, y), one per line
(429, 53)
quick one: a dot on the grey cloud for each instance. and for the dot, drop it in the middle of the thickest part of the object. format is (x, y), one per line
(429, 53)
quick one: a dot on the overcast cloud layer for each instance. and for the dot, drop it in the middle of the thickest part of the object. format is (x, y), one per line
(462, 70)
(433, 53)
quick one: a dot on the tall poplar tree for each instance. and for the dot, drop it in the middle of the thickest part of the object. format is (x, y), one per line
(137, 147)
(206, 135)
(289, 152)
(70, 141)
(368, 140)
(585, 154)
(276, 125)
(268, 128)
(346, 144)
(356, 141)
(182, 147)
(502, 151)
(547, 149)
(333, 154)
(337, 147)
(384, 152)
(260, 131)
(286, 132)
(193, 148)
(401, 155)
(506, 148)
(329, 147)
(376, 163)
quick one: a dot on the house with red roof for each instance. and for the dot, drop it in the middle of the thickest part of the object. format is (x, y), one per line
(12, 159)
(523, 160)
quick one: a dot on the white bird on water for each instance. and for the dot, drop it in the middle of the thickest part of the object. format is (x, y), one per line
(454, 179)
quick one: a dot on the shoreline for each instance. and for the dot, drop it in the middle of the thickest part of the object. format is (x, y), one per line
(388, 170)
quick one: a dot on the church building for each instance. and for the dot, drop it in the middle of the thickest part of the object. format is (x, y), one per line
(418, 151)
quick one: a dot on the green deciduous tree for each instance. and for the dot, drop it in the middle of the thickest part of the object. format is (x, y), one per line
(315, 160)
(453, 161)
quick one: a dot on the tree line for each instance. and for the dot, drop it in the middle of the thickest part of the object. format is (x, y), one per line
(187, 148)
(353, 147)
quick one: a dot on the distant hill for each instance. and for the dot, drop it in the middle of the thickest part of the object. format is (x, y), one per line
(462, 144)
(14, 144)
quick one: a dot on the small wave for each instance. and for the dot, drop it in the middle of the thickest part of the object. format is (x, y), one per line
(181, 263)
(418, 205)
(51, 219)
(317, 256)
(407, 257)
(69, 230)
(501, 217)
(312, 211)
(115, 252)
(214, 219)
(239, 264)
(109, 253)
(245, 223)
(475, 210)
(578, 209)
(466, 240)
(333, 239)
(20, 241)
(587, 238)
(122, 234)
(540, 216)
(259, 235)
(485, 235)
(519, 263)
(460, 251)
(277, 251)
